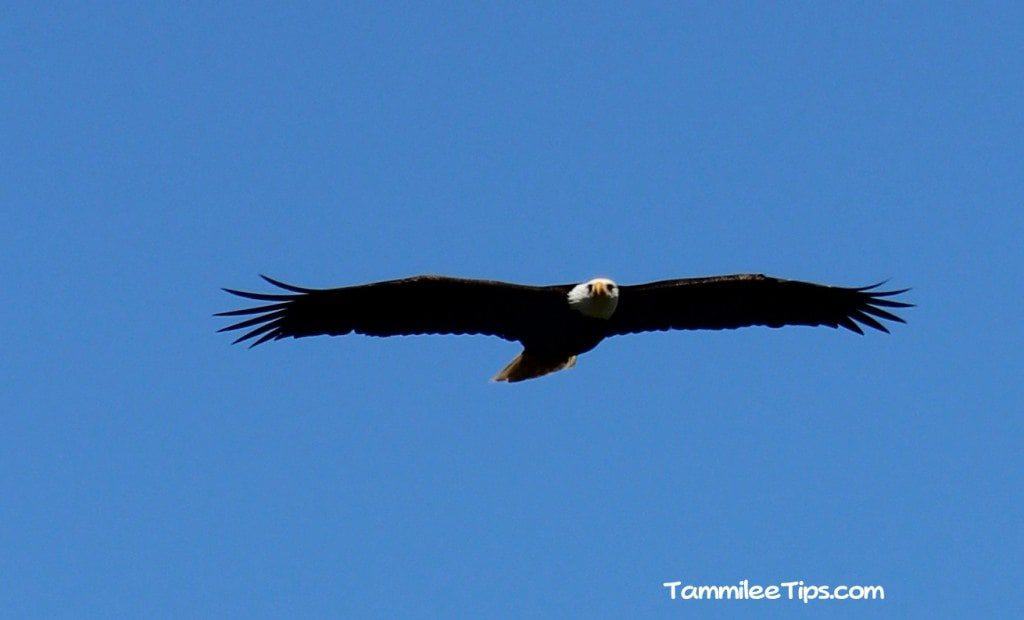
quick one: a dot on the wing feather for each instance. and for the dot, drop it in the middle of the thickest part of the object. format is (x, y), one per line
(729, 302)
(256, 310)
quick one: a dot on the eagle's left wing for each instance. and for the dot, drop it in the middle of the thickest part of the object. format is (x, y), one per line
(417, 305)
(729, 302)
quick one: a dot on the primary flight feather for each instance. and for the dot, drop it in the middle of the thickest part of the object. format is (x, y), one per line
(557, 323)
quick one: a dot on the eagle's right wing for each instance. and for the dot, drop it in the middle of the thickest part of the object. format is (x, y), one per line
(729, 302)
(417, 305)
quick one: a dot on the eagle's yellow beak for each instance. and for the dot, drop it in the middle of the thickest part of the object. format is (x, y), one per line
(600, 288)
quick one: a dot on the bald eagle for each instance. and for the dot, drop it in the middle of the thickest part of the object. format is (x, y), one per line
(557, 323)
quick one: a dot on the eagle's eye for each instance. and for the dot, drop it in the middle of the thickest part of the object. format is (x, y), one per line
(590, 288)
(611, 287)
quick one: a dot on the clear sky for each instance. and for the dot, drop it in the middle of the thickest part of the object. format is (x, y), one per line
(153, 153)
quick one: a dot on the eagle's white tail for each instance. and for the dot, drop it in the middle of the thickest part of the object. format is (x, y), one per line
(527, 365)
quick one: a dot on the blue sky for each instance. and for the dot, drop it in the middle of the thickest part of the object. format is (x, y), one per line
(152, 154)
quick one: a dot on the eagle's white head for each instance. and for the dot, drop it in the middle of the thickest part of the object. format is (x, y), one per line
(595, 298)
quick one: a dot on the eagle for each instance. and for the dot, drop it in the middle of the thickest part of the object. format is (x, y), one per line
(557, 323)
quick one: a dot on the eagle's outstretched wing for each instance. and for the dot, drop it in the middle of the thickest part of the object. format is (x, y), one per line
(417, 305)
(728, 302)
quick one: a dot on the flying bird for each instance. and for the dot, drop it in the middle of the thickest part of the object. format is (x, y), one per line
(557, 323)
